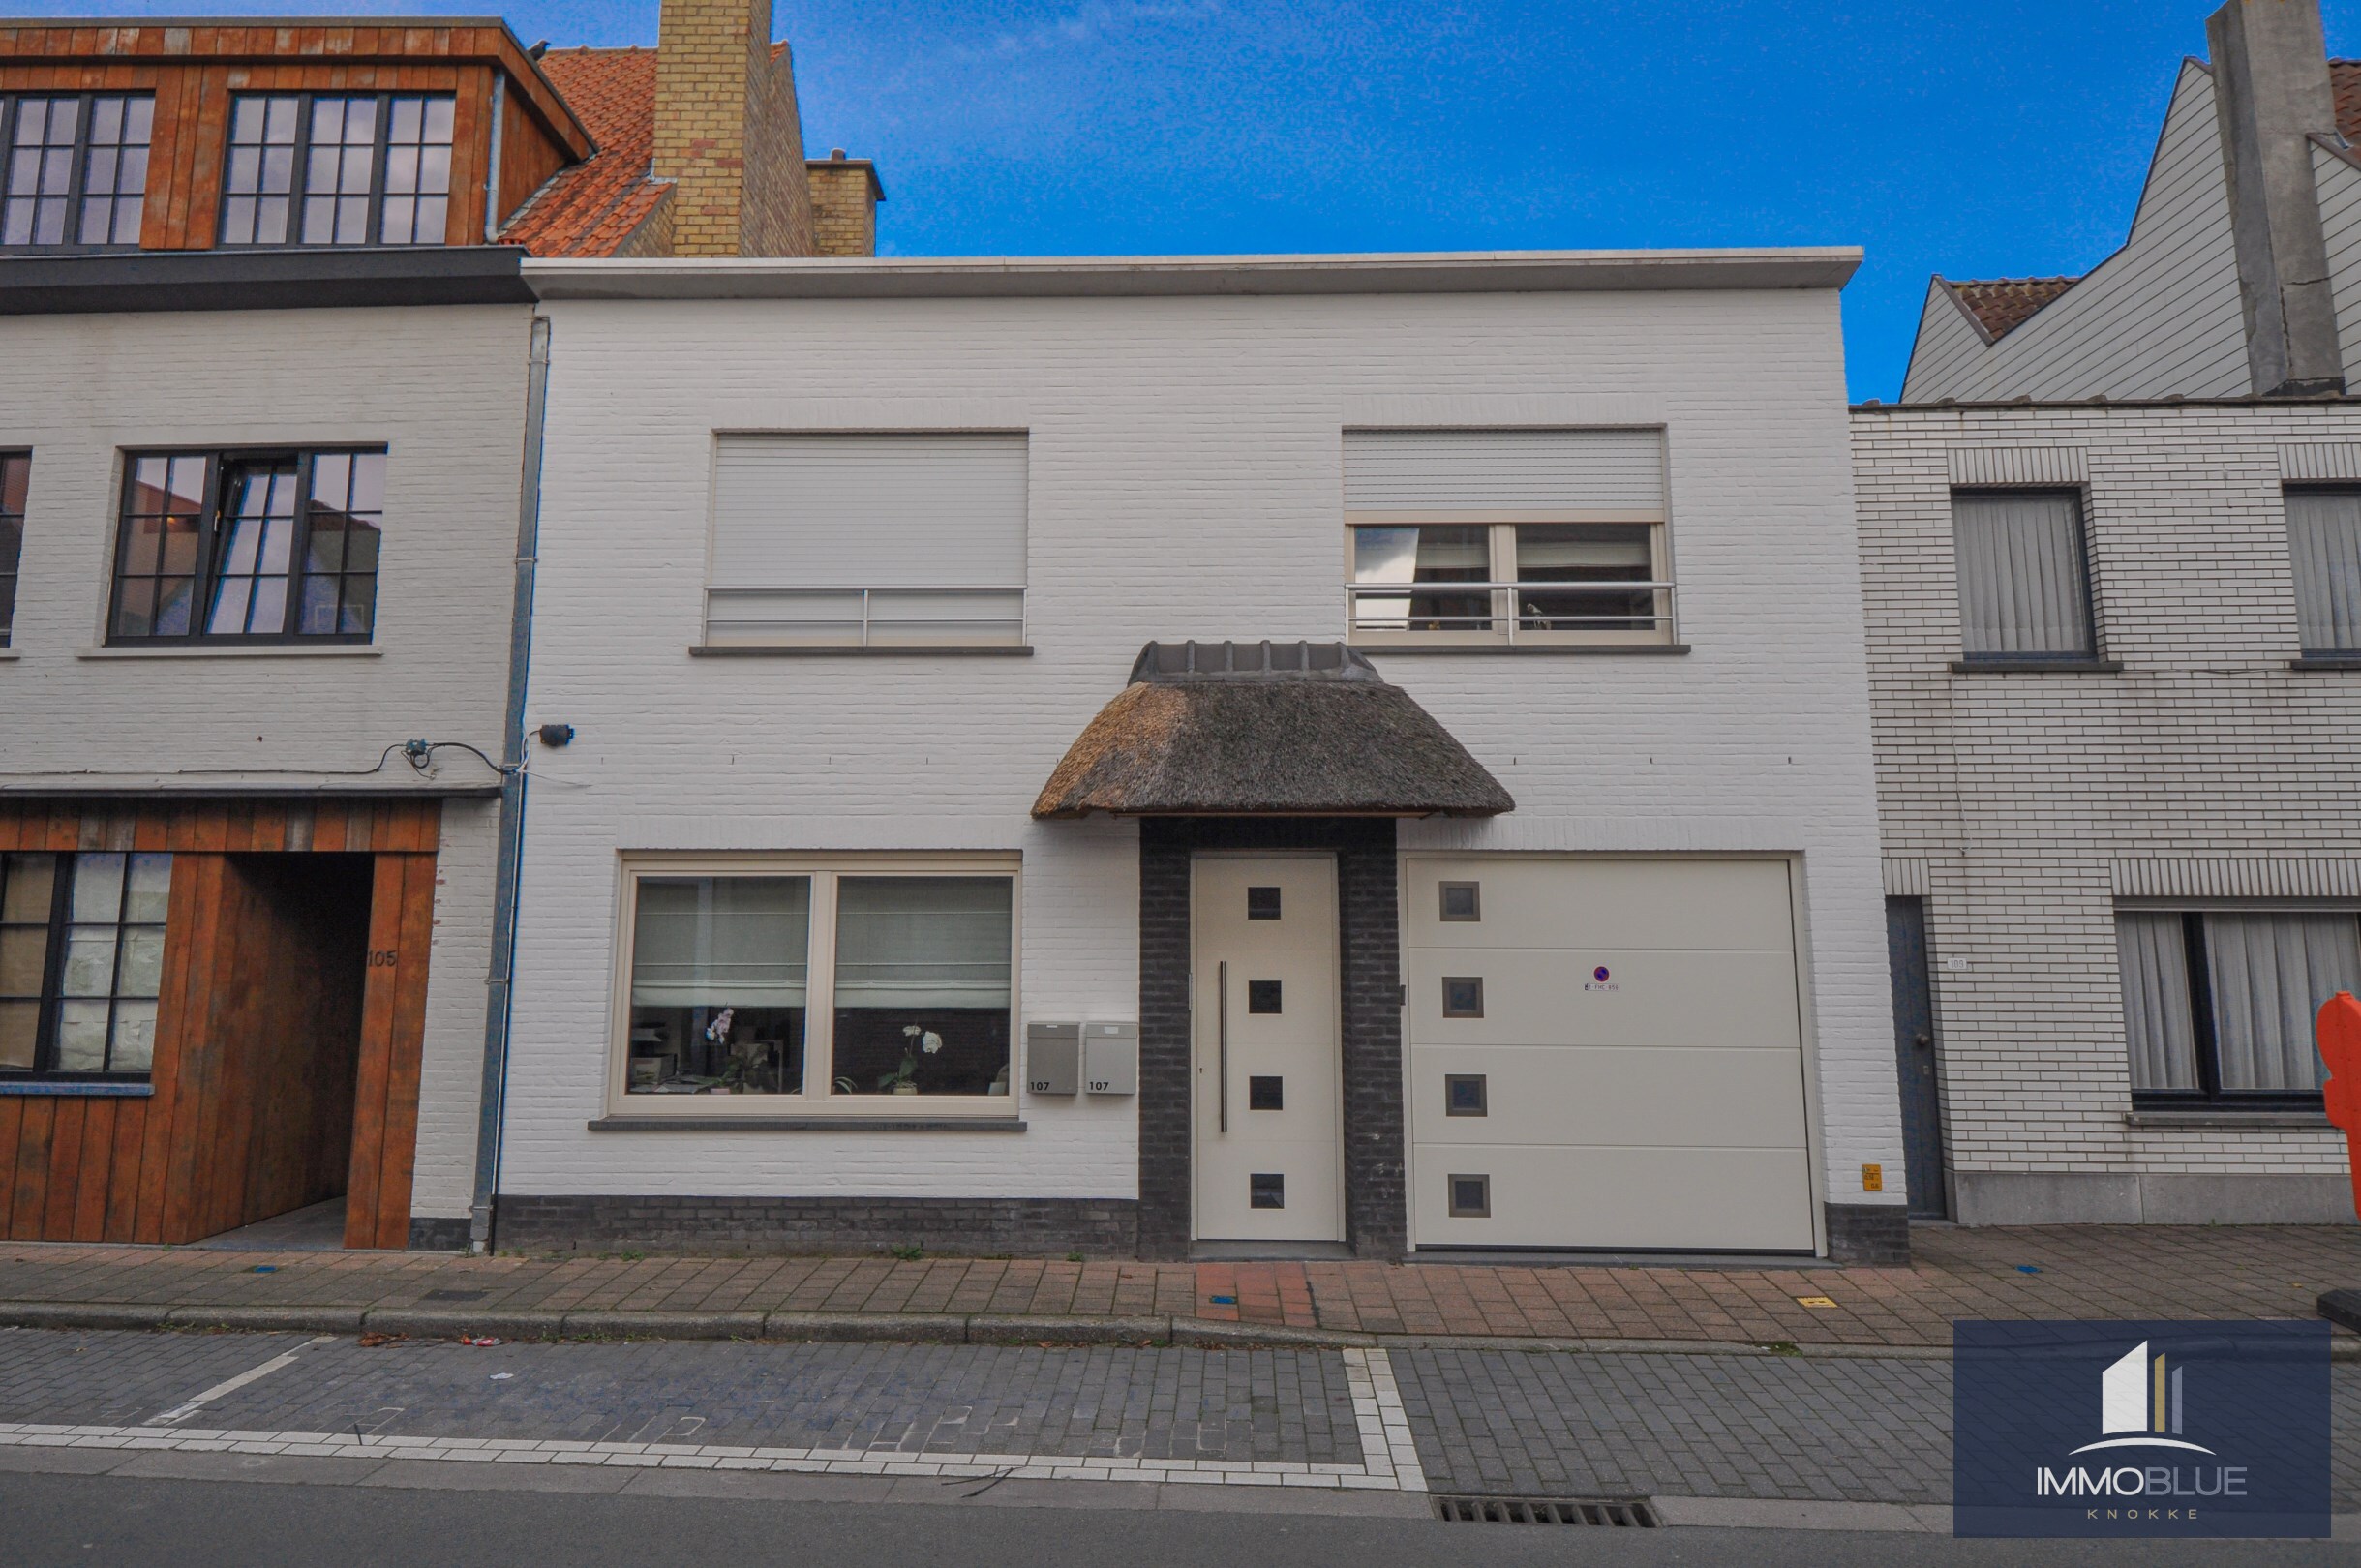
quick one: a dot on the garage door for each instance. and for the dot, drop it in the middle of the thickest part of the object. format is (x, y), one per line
(1605, 1054)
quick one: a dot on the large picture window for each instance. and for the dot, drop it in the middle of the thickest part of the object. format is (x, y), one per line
(249, 547)
(2220, 1007)
(338, 169)
(74, 170)
(81, 962)
(1506, 538)
(841, 985)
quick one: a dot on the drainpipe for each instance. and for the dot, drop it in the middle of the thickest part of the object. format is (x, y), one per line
(498, 986)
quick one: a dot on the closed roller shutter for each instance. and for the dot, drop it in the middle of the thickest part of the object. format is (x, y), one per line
(869, 511)
(1658, 1107)
(1561, 471)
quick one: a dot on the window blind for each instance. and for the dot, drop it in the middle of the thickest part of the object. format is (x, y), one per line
(2156, 1015)
(2270, 974)
(923, 942)
(2324, 546)
(869, 511)
(715, 942)
(1567, 470)
(2020, 574)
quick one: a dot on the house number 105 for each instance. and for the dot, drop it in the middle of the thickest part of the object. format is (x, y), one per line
(383, 958)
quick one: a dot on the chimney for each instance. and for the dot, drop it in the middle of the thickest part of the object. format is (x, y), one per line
(727, 133)
(2270, 64)
(844, 196)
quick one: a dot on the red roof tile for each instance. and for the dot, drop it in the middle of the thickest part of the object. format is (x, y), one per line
(2004, 303)
(591, 207)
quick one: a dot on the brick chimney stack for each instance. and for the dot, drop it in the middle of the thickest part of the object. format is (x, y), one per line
(2271, 91)
(727, 133)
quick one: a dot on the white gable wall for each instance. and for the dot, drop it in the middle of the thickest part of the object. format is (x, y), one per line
(2159, 317)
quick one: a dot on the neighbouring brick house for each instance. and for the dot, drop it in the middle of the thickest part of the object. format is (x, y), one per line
(266, 522)
(2112, 554)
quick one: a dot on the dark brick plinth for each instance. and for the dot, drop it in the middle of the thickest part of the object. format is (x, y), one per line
(734, 1226)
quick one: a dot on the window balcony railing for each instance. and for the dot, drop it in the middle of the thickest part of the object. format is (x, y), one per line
(864, 617)
(1605, 610)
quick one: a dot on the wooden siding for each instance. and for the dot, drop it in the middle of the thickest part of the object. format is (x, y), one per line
(194, 72)
(233, 1131)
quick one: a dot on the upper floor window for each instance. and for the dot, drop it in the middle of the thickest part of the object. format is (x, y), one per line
(1506, 538)
(2023, 582)
(868, 541)
(2324, 548)
(16, 473)
(81, 962)
(338, 169)
(2221, 1006)
(253, 546)
(76, 169)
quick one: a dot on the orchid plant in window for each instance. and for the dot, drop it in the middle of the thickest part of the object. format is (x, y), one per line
(903, 1079)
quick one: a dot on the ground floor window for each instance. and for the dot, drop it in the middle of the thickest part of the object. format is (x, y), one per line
(2219, 1006)
(81, 962)
(841, 983)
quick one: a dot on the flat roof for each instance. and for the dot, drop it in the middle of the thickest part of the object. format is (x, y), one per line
(1436, 272)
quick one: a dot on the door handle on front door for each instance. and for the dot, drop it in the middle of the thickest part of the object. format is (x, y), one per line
(1222, 1033)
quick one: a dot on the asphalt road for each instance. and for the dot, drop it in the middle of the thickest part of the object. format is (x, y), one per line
(55, 1521)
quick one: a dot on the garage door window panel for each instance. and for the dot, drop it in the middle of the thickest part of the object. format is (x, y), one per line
(1498, 538)
(865, 541)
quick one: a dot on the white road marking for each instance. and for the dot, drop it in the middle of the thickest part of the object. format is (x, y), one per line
(1386, 1428)
(196, 1401)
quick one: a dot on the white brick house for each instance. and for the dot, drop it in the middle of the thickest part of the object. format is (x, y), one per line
(838, 561)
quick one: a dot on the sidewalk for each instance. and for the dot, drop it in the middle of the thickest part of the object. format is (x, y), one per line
(2051, 1272)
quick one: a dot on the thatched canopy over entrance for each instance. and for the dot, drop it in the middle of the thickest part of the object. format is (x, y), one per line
(1267, 729)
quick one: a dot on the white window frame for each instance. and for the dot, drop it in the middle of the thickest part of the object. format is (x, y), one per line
(819, 1097)
(1500, 526)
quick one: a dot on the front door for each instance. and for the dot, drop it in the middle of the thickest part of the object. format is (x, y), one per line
(1914, 1057)
(1267, 1067)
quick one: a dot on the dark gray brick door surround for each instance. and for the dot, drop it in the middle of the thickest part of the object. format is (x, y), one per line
(1369, 942)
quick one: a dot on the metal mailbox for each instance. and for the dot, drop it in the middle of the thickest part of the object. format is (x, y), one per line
(1110, 1058)
(1053, 1058)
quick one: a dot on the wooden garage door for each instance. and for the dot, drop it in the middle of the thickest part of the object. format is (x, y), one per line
(1638, 1046)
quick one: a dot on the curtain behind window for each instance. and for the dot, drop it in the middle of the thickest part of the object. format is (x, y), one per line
(2156, 1015)
(2020, 575)
(2324, 547)
(2270, 975)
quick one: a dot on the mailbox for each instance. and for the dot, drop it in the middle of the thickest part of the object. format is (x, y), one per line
(1053, 1058)
(1110, 1058)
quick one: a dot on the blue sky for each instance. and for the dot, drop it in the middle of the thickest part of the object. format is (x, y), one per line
(2004, 138)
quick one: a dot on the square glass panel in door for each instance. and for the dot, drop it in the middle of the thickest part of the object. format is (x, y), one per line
(1262, 903)
(923, 985)
(1267, 1091)
(1267, 1189)
(719, 969)
(1263, 996)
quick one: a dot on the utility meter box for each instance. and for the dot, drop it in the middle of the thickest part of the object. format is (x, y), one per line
(1110, 1058)
(1053, 1058)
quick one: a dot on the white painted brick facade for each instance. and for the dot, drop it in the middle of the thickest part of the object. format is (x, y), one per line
(445, 390)
(2023, 804)
(1186, 481)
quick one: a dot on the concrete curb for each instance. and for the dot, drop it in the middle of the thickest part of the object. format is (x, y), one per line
(875, 1328)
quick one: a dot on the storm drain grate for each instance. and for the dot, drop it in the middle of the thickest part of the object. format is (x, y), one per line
(1630, 1513)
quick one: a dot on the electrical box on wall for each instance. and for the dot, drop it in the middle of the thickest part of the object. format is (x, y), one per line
(1110, 1058)
(1053, 1058)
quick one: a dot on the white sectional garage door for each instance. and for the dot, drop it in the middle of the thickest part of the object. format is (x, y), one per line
(1639, 1049)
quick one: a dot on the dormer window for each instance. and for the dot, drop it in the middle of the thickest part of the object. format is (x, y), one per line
(338, 169)
(75, 169)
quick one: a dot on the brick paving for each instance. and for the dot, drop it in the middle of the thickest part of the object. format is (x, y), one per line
(2079, 1271)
